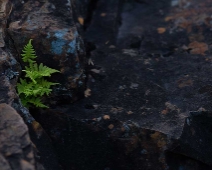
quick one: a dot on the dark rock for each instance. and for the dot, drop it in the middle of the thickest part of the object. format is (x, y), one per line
(76, 142)
(15, 145)
(45, 156)
(196, 137)
(105, 22)
(151, 111)
(147, 107)
(84, 10)
(56, 40)
(16, 150)
(9, 69)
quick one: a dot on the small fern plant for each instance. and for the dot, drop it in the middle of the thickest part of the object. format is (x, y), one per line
(34, 86)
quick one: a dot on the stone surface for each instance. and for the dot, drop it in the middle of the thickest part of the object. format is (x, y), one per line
(104, 23)
(15, 146)
(17, 153)
(56, 40)
(9, 75)
(82, 10)
(148, 102)
(9, 67)
(45, 156)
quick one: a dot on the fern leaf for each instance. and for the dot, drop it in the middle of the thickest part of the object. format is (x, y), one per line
(37, 91)
(41, 90)
(32, 72)
(28, 53)
(45, 83)
(46, 71)
(24, 87)
(35, 72)
(37, 102)
(21, 86)
(33, 75)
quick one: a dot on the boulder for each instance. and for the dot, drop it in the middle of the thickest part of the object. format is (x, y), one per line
(16, 151)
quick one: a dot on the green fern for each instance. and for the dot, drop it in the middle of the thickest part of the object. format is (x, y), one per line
(36, 101)
(29, 53)
(36, 72)
(34, 86)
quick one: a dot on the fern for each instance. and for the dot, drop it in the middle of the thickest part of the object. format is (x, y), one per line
(35, 72)
(36, 101)
(34, 86)
(28, 53)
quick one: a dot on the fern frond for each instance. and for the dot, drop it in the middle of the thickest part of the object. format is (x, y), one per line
(28, 53)
(35, 72)
(29, 101)
(34, 86)
(33, 75)
(37, 102)
(46, 71)
(46, 84)
(37, 91)
(24, 87)
(32, 89)
(41, 90)
(20, 86)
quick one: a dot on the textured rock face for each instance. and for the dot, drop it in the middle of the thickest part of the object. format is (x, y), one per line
(147, 113)
(56, 40)
(9, 74)
(9, 67)
(14, 132)
(16, 151)
(150, 110)
(105, 18)
(45, 156)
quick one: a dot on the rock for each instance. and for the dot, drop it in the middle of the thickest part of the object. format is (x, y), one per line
(104, 24)
(196, 137)
(9, 70)
(15, 146)
(74, 150)
(152, 108)
(56, 40)
(18, 156)
(170, 97)
(45, 156)
(82, 10)
(8, 75)
(9, 67)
